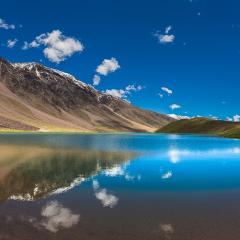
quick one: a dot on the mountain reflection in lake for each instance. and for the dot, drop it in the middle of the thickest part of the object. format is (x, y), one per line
(134, 186)
(30, 173)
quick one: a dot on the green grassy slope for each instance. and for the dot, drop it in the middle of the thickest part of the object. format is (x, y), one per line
(203, 126)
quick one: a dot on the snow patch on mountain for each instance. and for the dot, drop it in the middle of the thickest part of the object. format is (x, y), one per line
(35, 66)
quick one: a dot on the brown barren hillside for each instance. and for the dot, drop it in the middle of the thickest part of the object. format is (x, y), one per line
(34, 97)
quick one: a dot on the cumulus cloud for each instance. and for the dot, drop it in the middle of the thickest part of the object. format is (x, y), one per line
(33, 44)
(5, 25)
(174, 106)
(107, 200)
(11, 43)
(56, 216)
(57, 47)
(120, 93)
(123, 93)
(236, 118)
(167, 90)
(96, 80)
(166, 37)
(134, 88)
(107, 66)
(178, 117)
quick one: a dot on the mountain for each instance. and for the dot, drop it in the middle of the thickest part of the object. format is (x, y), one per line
(35, 97)
(203, 126)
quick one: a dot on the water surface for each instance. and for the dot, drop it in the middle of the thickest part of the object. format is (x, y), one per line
(123, 186)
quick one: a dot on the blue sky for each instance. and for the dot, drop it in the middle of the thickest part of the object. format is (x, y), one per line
(191, 48)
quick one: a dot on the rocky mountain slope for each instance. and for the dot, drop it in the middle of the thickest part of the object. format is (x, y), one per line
(34, 97)
(203, 126)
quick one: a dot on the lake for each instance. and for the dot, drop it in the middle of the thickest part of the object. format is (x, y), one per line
(119, 186)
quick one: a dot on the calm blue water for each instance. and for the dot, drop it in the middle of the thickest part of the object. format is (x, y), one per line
(106, 186)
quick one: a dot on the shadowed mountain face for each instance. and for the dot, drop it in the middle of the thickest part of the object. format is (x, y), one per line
(203, 126)
(34, 97)
(30, 173)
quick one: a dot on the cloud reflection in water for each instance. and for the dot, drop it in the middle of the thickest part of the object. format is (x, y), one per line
(167, 230)
(121, 171)
(167, 175)
(107, 200)
(175, 155)
(56, 216)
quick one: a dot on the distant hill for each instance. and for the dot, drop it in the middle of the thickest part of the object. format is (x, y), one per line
(37, 98)
(203, 126)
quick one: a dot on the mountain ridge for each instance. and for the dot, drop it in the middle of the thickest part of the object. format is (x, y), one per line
(45, 99)
(202, 125)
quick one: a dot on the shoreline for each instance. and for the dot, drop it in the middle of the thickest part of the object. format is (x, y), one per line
(69, 132)
(106, 133)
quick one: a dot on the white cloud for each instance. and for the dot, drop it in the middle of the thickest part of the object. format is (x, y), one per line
(33, 44)
(236, 118)
(107, 200)
(160, 95)
(134, 88)
(167, 90)
(178, 117)
(213, 117)
(174, 106)
(166, 37)
(229, 119)
(107, 66)
(168, 29)
(122, 93)
(56, 216)
(5, 25)
(57, 46)
(96, 80)
(11, 43)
